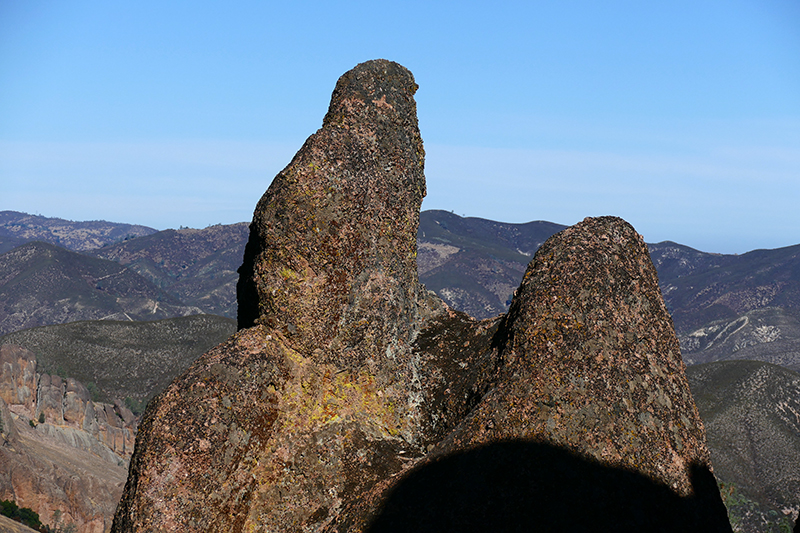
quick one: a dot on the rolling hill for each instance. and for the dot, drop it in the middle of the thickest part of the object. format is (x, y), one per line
(196, 266)
(77, 236)
(123, 359)
(751, 411)
(41, 283)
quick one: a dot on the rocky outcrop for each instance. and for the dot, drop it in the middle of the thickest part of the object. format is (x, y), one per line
(39, 469)
(589, 409)
(352, 399)
(331, 259)
(18, 378)
(63, 406)
(61, 451)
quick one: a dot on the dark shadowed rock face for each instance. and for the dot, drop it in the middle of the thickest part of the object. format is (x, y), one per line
(349, 387)
(331, 258)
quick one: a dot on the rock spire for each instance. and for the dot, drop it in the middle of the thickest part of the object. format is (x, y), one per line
(352, 399)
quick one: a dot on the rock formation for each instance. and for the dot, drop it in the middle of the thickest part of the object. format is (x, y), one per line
(350, 391)
(65, 404)
(60, 450)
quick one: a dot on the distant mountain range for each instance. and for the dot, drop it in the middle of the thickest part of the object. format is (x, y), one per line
(197, 266)
(17, 228)
(41, 283)
(725, 308)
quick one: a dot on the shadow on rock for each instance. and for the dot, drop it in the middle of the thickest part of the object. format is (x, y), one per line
(522, 486)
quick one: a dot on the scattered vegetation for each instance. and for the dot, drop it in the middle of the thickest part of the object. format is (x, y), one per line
(747, 515)
(94, 392)
(58, 527)
(23, 515)
(137, 407)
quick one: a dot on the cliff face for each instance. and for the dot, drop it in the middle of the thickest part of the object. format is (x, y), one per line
(348, 382)
(74, 461)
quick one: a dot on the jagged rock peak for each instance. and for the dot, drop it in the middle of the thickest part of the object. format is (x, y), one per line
(319, 395)
(587, 422)
(591, 329)
(331, 258)
(352, 400)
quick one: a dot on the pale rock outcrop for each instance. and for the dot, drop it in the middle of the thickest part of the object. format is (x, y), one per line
(75, 461)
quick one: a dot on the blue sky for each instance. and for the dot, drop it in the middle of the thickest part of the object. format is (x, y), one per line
(681, 117)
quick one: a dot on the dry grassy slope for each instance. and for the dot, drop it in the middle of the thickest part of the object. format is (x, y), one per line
(9, 526)
(136, 359)
(9, 243)
(770, 334)
(723, 287)
(751, 411)
(78, 236)
(41, 284)
(196, 266)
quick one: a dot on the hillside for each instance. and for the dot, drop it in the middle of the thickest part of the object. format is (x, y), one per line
(77, 236)
(41, 284)
(724, 287)
(751, 411)
(196, 266)
(770, 334)
(475, 264)
(123, 359)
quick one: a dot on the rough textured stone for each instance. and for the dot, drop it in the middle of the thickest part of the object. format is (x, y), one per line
(331, 259)
(320, 396)
(592, 362)
(590, 379)
(350, 390)
(18, 378)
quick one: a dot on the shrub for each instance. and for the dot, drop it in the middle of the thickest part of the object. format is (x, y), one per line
(94, 392)
(22, 515)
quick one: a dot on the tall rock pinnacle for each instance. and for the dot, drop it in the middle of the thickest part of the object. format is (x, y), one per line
(331, 259)
(319, 394)
(352, 400)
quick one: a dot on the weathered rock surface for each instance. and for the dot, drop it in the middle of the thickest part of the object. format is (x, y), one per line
(348, 382)
(331, 258)
(40, 471)
(74, 461)
(590, 388)
(66, 405)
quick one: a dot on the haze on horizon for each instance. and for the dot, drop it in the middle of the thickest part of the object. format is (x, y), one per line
(683, 118)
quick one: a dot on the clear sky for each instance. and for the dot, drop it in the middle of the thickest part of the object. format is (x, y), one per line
(682, 117)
